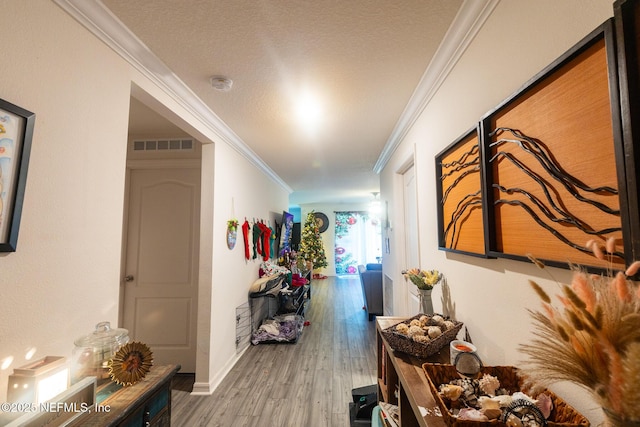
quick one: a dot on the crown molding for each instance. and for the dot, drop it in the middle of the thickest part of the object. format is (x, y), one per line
(468, 21)
(99, 20)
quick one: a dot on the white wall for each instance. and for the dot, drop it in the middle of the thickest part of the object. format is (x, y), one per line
(490, 296)
(64, 277)
(241, 191)
(231, 188)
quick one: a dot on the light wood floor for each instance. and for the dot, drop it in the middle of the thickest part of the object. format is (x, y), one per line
(306, 384)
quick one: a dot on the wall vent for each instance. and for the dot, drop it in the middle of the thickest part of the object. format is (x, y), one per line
(163, 145)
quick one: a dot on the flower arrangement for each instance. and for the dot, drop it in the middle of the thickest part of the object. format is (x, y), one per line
(592, 338)
(423, 279)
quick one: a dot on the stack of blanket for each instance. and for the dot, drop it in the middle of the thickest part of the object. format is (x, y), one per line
(286, 328)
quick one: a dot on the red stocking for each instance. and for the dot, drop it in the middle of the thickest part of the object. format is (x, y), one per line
(245, 234)
(266, 236)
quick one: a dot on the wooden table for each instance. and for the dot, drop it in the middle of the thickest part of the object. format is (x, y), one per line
(146, 403)
(402, 382)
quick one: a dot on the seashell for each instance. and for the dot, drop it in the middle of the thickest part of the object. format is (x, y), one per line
(403, 328)
(415, 330)
(470, 392)
(471, 415)
(545, 404)
(492, 413)
(487, 402)
(520, 395)
(513, 421)
(522, 409)
(451, 391)
(424, 320)
(421, 338)
(448, 324)
(503, 400)
(415, 322)
(434, 331)
(528, 420)
(489, 384)
(437, 319)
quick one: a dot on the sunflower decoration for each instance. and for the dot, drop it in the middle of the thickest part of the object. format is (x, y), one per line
(131, 363)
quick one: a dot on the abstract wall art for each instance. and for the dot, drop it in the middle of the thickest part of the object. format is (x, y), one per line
(16, 132)
(554, 165)
(552, 156)
(459, 192)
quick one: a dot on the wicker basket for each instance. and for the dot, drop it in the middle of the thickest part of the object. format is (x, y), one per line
(563, 415)
(400, 342)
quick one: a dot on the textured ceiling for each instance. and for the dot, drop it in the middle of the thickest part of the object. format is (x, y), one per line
(362, 59)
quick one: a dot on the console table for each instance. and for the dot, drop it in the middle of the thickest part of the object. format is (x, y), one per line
(402, 382)
(146, 403)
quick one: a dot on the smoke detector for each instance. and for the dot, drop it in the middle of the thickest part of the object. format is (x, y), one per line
(223, 84)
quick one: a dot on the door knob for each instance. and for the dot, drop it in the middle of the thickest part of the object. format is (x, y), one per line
(128, 278)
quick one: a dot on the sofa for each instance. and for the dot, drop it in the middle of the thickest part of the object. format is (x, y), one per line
(371, 282)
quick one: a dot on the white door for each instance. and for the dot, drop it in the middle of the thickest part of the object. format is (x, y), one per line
(161, 269)
(411, 251)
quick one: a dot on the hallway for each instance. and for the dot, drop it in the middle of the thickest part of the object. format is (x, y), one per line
(304, 384)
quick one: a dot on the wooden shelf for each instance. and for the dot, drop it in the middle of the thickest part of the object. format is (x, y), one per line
(402, 372)
(382, 390)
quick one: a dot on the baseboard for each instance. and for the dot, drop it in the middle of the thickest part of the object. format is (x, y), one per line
(201, 389)
(207, 388)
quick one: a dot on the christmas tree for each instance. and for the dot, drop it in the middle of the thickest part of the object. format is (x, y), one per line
(311, 248)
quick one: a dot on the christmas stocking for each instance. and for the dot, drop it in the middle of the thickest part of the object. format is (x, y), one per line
(245, 234)
(266, 236)
(256, 240)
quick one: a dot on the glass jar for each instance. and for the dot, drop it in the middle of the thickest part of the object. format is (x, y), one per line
(92, 352)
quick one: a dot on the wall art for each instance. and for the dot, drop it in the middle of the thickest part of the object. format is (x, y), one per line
(232, 233)
(554, 162)
(459, 192)
(627, 23)
(16, 132)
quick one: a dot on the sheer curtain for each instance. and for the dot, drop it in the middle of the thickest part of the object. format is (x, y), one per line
(358, 240)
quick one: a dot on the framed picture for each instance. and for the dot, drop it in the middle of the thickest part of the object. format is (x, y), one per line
(555, 165)
(460, 202)
(16, 131)
(285, 233)
(627, 25)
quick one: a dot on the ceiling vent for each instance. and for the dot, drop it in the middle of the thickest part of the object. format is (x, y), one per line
(163, 145)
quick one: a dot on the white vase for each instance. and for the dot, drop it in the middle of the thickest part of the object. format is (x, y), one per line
(426, 305)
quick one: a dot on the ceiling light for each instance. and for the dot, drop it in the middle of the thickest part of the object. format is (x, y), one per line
(374, 206)
(223, 84)
(308, 109)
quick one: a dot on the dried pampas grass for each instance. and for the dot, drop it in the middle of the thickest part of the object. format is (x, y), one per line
(592, 338)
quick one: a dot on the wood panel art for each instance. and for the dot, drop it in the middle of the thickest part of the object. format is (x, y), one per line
(627, 23)
(554, 164)
(459, 191)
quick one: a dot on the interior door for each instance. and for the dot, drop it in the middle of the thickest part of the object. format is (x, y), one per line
(411, 250)
(161, 268)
